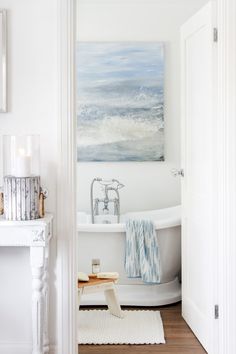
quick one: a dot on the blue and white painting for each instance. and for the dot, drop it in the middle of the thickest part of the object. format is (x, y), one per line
(120, 101)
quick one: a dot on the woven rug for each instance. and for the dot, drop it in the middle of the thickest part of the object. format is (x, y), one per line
(137, 327)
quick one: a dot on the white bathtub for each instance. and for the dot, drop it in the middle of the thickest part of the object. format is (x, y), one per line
(107, 242)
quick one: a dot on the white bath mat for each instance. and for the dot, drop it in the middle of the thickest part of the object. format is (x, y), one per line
(137, 327)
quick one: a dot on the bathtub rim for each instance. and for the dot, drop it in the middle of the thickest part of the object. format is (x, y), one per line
(168, 222)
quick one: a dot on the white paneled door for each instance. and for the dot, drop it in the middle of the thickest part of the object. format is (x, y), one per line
(198, 42)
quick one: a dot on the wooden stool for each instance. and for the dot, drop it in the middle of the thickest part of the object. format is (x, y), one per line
(95, 285)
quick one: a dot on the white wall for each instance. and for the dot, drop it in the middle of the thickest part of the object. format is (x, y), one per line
(32, 92)
(149, 185)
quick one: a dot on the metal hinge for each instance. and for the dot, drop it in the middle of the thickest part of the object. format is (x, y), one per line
(216, 312)
(215, 34)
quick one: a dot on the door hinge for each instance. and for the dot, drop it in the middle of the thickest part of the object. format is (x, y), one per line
(216, 312)
(215, 34)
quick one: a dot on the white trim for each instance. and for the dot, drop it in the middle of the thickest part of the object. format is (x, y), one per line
(227, 174)
(66, 195)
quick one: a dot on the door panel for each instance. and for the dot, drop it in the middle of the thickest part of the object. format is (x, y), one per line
(197, 48)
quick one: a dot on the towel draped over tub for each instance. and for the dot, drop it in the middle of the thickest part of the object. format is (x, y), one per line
(141, 251)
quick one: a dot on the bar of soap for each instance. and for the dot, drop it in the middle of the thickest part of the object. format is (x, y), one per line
(108, 275)
(83, 276)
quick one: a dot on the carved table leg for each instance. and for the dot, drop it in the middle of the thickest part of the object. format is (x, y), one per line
(37, 269)
(46, 302)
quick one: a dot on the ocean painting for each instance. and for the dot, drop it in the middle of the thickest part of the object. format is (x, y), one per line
(120, 101)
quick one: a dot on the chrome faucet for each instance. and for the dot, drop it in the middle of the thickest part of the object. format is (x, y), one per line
(108, 186)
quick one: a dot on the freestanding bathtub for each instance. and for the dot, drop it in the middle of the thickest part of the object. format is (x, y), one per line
(107, 242)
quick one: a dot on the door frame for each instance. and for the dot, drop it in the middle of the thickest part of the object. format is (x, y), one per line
(226, 178)
(66, 181)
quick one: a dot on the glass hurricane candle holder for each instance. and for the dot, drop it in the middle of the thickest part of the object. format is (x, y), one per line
(21, 155)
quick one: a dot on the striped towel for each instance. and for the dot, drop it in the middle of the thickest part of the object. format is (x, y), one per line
(141, 251)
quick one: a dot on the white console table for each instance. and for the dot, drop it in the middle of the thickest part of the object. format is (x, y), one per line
(35, 234)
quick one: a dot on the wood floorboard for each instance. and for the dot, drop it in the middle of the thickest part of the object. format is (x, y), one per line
(179, 338)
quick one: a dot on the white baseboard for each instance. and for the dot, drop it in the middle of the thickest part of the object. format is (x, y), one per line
(21, 348)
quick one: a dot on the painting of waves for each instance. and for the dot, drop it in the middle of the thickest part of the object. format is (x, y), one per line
(120, 101)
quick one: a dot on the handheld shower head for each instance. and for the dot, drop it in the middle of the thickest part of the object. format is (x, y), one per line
(119, 185)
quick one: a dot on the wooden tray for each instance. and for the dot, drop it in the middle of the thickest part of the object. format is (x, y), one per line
(94, 281)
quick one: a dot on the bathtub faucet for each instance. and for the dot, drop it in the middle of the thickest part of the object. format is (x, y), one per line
(108, 187)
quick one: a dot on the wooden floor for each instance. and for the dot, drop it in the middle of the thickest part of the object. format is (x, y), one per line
(179, 338)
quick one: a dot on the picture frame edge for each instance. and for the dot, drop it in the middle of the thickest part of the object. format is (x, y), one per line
(3, 13)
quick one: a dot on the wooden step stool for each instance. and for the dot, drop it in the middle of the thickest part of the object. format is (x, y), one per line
(95, 285)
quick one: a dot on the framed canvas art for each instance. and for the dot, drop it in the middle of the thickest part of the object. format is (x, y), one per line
(3, 94)
(120, 101)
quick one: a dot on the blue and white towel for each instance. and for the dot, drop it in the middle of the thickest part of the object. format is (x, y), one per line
(141, 251)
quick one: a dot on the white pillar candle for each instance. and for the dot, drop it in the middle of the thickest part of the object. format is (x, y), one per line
(23, 164)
